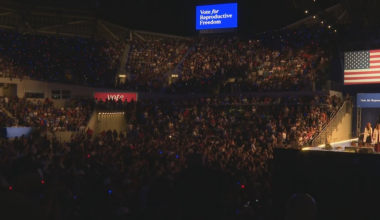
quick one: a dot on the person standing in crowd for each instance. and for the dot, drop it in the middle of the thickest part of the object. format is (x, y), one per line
(368, 135)
(89, 133)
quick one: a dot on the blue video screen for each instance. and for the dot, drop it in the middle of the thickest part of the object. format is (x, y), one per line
(368, 100)
(216, 16)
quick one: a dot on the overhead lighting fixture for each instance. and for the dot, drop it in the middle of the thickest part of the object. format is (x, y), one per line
(306, 12)
(174, 76)
(334, 30)
(329, 26)
(122, 76)
(314, 16)
(321, 22)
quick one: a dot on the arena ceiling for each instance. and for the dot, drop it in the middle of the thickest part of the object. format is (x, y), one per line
(165, 16)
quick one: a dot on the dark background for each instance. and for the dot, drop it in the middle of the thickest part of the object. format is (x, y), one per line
(344, 185)
(178, 16)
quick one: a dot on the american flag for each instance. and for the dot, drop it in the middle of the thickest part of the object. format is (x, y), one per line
(362, 67)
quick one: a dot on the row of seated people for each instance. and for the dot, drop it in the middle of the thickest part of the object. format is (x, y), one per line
(151, 60)
(303, 117)
(284, 60)
(147, 171)
(59, 59)
(37, 113)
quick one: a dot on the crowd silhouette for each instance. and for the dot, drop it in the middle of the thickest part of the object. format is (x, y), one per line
(176, 159)
(138, 172)
(274, 61)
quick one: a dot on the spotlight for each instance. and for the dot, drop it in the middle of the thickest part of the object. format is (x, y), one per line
(321, 22)
(329, 26)
(306, 12)
(314, 16)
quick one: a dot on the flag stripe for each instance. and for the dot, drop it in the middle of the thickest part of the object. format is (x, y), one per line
(363, 75)
(362, 80)
(358, 71)
(359, 83)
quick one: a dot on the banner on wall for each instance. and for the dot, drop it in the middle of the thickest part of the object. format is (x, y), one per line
(368, 100)
(124, 96)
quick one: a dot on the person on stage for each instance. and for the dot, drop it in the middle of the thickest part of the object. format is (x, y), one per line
(368, 135)
(376, 138)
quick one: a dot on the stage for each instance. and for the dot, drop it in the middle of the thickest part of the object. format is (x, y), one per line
(341, 146)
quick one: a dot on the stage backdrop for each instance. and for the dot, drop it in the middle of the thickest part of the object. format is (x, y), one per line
(370, 104)
(368, 100)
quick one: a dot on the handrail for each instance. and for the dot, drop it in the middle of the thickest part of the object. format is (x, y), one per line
(330, 122)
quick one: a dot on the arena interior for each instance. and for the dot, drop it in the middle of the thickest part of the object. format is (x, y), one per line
(102, 121)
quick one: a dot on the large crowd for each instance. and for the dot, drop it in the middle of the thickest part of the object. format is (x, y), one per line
(274, 61)
(37, 113)
(138, 172)
(60, 59)
(203, 158)
(152, 60)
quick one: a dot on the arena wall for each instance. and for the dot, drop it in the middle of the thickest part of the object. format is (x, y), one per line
(20, 87)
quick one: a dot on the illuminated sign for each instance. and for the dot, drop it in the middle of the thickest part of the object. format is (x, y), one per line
(216, 16)
(115, 96)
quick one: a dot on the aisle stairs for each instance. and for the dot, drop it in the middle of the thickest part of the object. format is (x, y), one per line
(339, 127)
